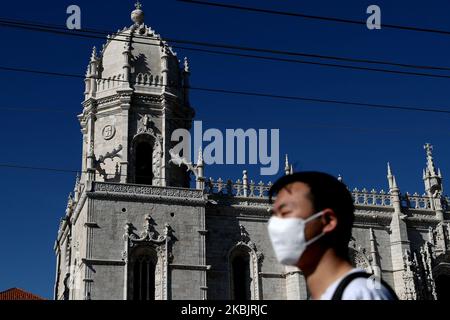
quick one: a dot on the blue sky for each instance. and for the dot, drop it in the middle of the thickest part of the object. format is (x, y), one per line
(353, 141)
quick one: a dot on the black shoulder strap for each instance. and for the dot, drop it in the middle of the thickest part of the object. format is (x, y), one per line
(352, 276)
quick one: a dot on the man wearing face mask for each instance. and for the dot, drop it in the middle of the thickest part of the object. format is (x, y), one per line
(310, 227)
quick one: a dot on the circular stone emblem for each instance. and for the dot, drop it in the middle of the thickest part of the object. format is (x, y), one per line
(108, 132)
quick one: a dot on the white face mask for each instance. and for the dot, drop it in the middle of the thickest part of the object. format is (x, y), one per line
(288, 237)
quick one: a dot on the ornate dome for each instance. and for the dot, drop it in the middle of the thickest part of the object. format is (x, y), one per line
(152, 64)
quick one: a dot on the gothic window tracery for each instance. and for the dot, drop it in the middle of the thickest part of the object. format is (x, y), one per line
(147, 257)
(244, 262)
(143, 266)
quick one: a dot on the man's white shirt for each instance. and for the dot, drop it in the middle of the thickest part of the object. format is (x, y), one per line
(359, 289)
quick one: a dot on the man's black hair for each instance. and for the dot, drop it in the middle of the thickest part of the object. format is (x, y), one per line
(326, 192)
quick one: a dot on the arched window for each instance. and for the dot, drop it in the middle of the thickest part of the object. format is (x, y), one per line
(144, 158)
(240, 275)
(143, 277)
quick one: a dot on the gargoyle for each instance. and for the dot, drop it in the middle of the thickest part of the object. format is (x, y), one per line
(109, 155)
(179, 161)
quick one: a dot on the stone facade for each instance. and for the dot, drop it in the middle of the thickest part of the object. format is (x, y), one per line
(133, 229)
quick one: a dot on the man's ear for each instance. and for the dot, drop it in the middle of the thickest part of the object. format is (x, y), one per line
(329, 220)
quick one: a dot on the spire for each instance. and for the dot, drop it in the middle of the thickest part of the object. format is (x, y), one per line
(94, 54)
(186, 65)
(432, 178)
(291, 170)
(200, 174)
(76, 187)
(200, 157)
(394, 183)
(137, 16)
(186, 83)
(430, 162)
(393, 187)
(287, 167)
(245, 182)
(374, 253)
(390, 177)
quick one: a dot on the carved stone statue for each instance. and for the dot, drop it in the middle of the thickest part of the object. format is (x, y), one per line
(156, 161)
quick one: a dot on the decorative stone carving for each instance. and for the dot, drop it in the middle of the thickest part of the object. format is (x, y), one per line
(157, 161)
(409, 277)
(146, 125)
(161, 243)
(108, 132)
(359, 260)
(245, 240)
(101, 160)
(179, 161)
(427, 255)
(256, 259)
(358, 256)
(147, 190)
(110, 155)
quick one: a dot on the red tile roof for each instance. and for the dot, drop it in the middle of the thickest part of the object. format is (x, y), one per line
(18, 294)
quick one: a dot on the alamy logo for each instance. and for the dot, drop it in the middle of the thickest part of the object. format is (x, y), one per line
(240, 145)
(374, 20)
(73, 22)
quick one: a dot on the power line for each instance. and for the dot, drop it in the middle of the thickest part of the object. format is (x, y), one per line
(312, 17)
(21, 23)
(298, 98)
(50, 169)
(224, 121)
(14, 166)
(78, 33)
(253, 94)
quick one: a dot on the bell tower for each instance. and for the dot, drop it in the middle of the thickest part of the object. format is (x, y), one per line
(136, 95)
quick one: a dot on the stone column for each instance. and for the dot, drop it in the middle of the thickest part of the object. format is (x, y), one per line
(398, 238)
(165, 131)
(125, 105)
(295, 284)
(202, 253)
(90, 159)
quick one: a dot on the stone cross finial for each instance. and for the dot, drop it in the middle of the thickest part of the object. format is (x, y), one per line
(138, 5)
